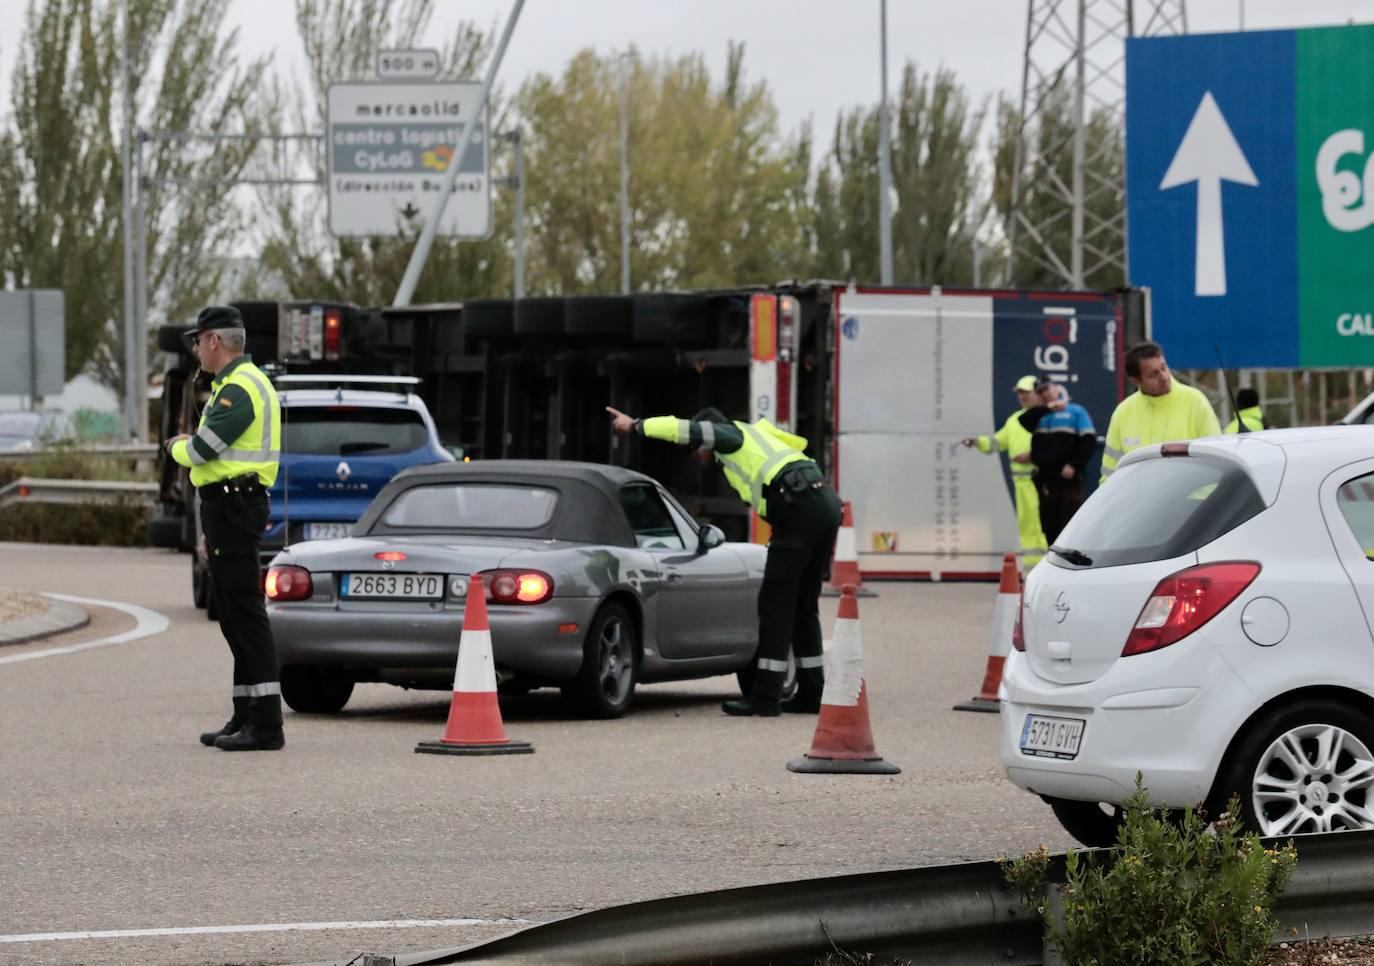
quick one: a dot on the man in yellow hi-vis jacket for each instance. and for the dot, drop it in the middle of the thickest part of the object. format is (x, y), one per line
(1248, 412)
(769, 471)
(1015, 440)
(1163, 411)
(233, 458)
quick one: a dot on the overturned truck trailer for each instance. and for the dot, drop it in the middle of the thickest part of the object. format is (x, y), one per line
(881, 382)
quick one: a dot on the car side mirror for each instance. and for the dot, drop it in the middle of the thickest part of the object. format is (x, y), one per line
(709, 536)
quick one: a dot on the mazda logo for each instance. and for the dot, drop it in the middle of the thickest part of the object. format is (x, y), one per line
(343, 471)
(1061, 607)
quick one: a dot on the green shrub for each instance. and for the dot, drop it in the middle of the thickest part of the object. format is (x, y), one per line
(69, 463)
(124, 524)
(1171, 892)
(119, 525)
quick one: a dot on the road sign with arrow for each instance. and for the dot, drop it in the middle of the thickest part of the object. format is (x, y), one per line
(1250, 196)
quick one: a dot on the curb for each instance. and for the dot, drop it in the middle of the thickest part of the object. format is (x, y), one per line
(59, 618)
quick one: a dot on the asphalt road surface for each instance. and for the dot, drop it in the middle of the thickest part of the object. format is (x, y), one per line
(123, 840)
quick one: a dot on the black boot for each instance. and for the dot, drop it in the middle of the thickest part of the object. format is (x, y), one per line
(802, 704)
(747, 707)
(235, 722)
(262, 730)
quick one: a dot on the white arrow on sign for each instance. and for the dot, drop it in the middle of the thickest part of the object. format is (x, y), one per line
(1209, 155)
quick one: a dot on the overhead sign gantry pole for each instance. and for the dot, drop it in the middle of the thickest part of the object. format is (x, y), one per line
(431, 226)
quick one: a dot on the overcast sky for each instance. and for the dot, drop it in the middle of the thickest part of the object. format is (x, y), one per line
(817, 56)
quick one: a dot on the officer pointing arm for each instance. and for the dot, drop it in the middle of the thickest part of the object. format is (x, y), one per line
(767, 468)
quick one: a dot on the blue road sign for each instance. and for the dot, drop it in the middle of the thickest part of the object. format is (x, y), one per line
(1210, 189)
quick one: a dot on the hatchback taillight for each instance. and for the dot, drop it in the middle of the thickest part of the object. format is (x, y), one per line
(1183, 602)
(517, 586)
(1018, 635)
(287, 583)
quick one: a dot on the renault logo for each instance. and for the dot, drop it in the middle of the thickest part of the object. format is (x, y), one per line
(1061, 607)
(343, 472)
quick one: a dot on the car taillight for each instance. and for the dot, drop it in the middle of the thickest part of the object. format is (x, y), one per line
(333, 333)
(1018, 637)
(1183, 602)
(517, 586)
(287, 583)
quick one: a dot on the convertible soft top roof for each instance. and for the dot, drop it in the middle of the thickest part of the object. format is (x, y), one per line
(589, 509)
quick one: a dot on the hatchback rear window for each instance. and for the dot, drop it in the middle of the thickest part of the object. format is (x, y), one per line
(1159, 509)
(472, 506)
(1356, 500)
(352, 430)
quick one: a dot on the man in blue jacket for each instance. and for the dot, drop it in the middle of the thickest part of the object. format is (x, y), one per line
(1062, 442)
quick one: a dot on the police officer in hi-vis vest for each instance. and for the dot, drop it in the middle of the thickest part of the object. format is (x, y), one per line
(233, 460)
(769, 471)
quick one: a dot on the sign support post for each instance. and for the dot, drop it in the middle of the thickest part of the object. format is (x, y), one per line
(431, 225)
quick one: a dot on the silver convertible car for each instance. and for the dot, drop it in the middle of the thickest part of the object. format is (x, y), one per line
(596, 580)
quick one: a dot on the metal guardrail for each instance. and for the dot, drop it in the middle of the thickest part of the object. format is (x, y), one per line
(134, 451)
(28, 489)
(950, 915)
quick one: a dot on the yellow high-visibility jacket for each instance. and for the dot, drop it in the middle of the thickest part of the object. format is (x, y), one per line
(751, 454)
(240, 428)
(1254, 420)
(1012, 439)
(1141, 420)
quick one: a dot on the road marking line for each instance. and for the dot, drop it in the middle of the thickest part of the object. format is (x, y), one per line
(45, 937)
(149, 622)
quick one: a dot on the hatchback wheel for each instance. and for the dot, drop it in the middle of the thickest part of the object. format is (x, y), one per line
(605, 685)
(313, 690)
(1309, 769)
(1092, 823)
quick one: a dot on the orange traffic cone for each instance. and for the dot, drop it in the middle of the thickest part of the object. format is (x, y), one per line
(1003, 622)
(844, 568)
(843, 743)
(474, 716)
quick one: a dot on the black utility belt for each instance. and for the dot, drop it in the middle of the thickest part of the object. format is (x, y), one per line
(248, 483)
(797, 481)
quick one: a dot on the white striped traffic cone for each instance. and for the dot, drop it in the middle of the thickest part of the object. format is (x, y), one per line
(999, 644)
(844, 568)
(843, 743)
(474, 715)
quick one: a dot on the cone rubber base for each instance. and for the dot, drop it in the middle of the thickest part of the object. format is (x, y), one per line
(449, 748)
(842, 766)
(836, 592)
(991, 706)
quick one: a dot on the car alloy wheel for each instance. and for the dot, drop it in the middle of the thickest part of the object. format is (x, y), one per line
(604, 687)
(1313, 778)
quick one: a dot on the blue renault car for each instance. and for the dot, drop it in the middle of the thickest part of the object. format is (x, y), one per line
(341, 445)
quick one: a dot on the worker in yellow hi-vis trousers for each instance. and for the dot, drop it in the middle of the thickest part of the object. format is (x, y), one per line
(1015, 440)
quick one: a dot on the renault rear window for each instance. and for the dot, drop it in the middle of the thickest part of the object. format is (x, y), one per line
(1158, 509)
(352, 430)
(472, 506)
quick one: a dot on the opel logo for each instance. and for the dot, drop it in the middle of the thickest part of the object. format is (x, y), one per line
(343, 472)
(1061, 607)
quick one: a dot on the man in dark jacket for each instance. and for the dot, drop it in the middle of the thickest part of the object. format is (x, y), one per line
(1062, 443)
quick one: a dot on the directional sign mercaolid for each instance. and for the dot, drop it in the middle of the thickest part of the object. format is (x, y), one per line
(390, 146)
(1250, 194)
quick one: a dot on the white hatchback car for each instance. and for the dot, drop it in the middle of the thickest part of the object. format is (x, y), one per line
(1204, 620)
